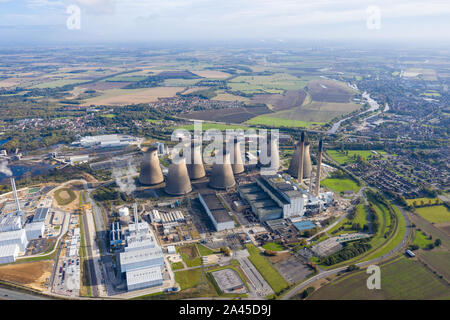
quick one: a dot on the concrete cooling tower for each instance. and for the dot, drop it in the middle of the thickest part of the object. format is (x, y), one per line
(274, 154)
(222, 174)
(150, 169)
(295, 162)
(178, 182)
(195, 168)
(238, 162)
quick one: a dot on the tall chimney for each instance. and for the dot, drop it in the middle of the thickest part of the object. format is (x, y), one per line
(319, 164)
(136, 219)
(302, 158)
(16, 198)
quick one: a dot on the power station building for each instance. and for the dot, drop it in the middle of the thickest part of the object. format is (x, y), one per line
(10, 223)
(9, 253)
(219, 216)
(144, 278)
(35, 230)
(18, 237)
(141, 258)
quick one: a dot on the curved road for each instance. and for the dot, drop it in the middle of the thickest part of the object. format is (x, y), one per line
(324, 274)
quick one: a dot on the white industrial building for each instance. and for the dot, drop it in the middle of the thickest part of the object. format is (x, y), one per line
(143, 227)
(140, 241)
(35, 230)
(18, 237)
(144, 278)
(219, 216)
(10, 223)
(9, 253)
(106, 141)
(155, 216)
(141, 258)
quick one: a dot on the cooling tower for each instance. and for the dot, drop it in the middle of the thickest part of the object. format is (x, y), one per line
(307, 165)
(195, 167)
(296, 159)
(150, 169)
(222, 174)
(178, 182)
(274, 154)
(238, 162)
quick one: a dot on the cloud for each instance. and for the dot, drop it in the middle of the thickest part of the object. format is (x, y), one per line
(97, 6)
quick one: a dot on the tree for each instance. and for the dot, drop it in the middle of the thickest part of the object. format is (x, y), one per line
(437, 242)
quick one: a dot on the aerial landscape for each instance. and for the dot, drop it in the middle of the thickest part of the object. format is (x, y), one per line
(218, 170)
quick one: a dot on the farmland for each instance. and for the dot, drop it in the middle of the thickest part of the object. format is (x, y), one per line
(434, 214)
(279, 102)
(329, 91)
(270, 121)
(229, 115)
(129, 96)
(401, 279)
(276, 83)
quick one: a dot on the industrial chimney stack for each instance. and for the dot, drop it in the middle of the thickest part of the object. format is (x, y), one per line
(136, 219)
(302, 158)
(16, 198)
(319, 165)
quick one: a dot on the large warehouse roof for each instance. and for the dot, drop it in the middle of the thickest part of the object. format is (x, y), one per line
(143, 275)
(140, 255)
(40, 214)
(9, 250)
(9, 235)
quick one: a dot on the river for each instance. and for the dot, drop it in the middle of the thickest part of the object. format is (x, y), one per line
(373, 105)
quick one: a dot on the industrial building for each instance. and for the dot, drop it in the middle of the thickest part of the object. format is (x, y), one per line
(9, 253)
(115, 235)
(144, 278)
(10, 222)
(18, 237)
(222, 173)
(106, 141)
(219, 216)
(124, 212)
(139, 241)
(35, 230)
(40, 214)
(262, 205)
(141, 258)
(143, 227)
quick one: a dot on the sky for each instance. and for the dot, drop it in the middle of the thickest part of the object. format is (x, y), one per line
(45, 21)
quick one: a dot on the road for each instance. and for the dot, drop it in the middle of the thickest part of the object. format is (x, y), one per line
(323, 274)
(7, 294)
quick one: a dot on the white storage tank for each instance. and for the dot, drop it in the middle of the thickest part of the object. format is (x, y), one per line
(124, 212)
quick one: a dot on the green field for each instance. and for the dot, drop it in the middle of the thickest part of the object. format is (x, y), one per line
(402, 279)
(273, 278)
(361, 215)
(276, 83)
(347, 156)
(281, 122)
(273, 246)
(56, 84)
(188, 278)
(68, 197)
(434, 214)
(190, 256)
(218, 126)
(438, 259)
(417, 202)
(340, 185)
(177, 266)
(421, 240)
(204, 251)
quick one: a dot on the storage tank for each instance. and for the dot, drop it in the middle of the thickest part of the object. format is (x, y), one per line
(151, 173)
(124, 212)
(178, 182)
